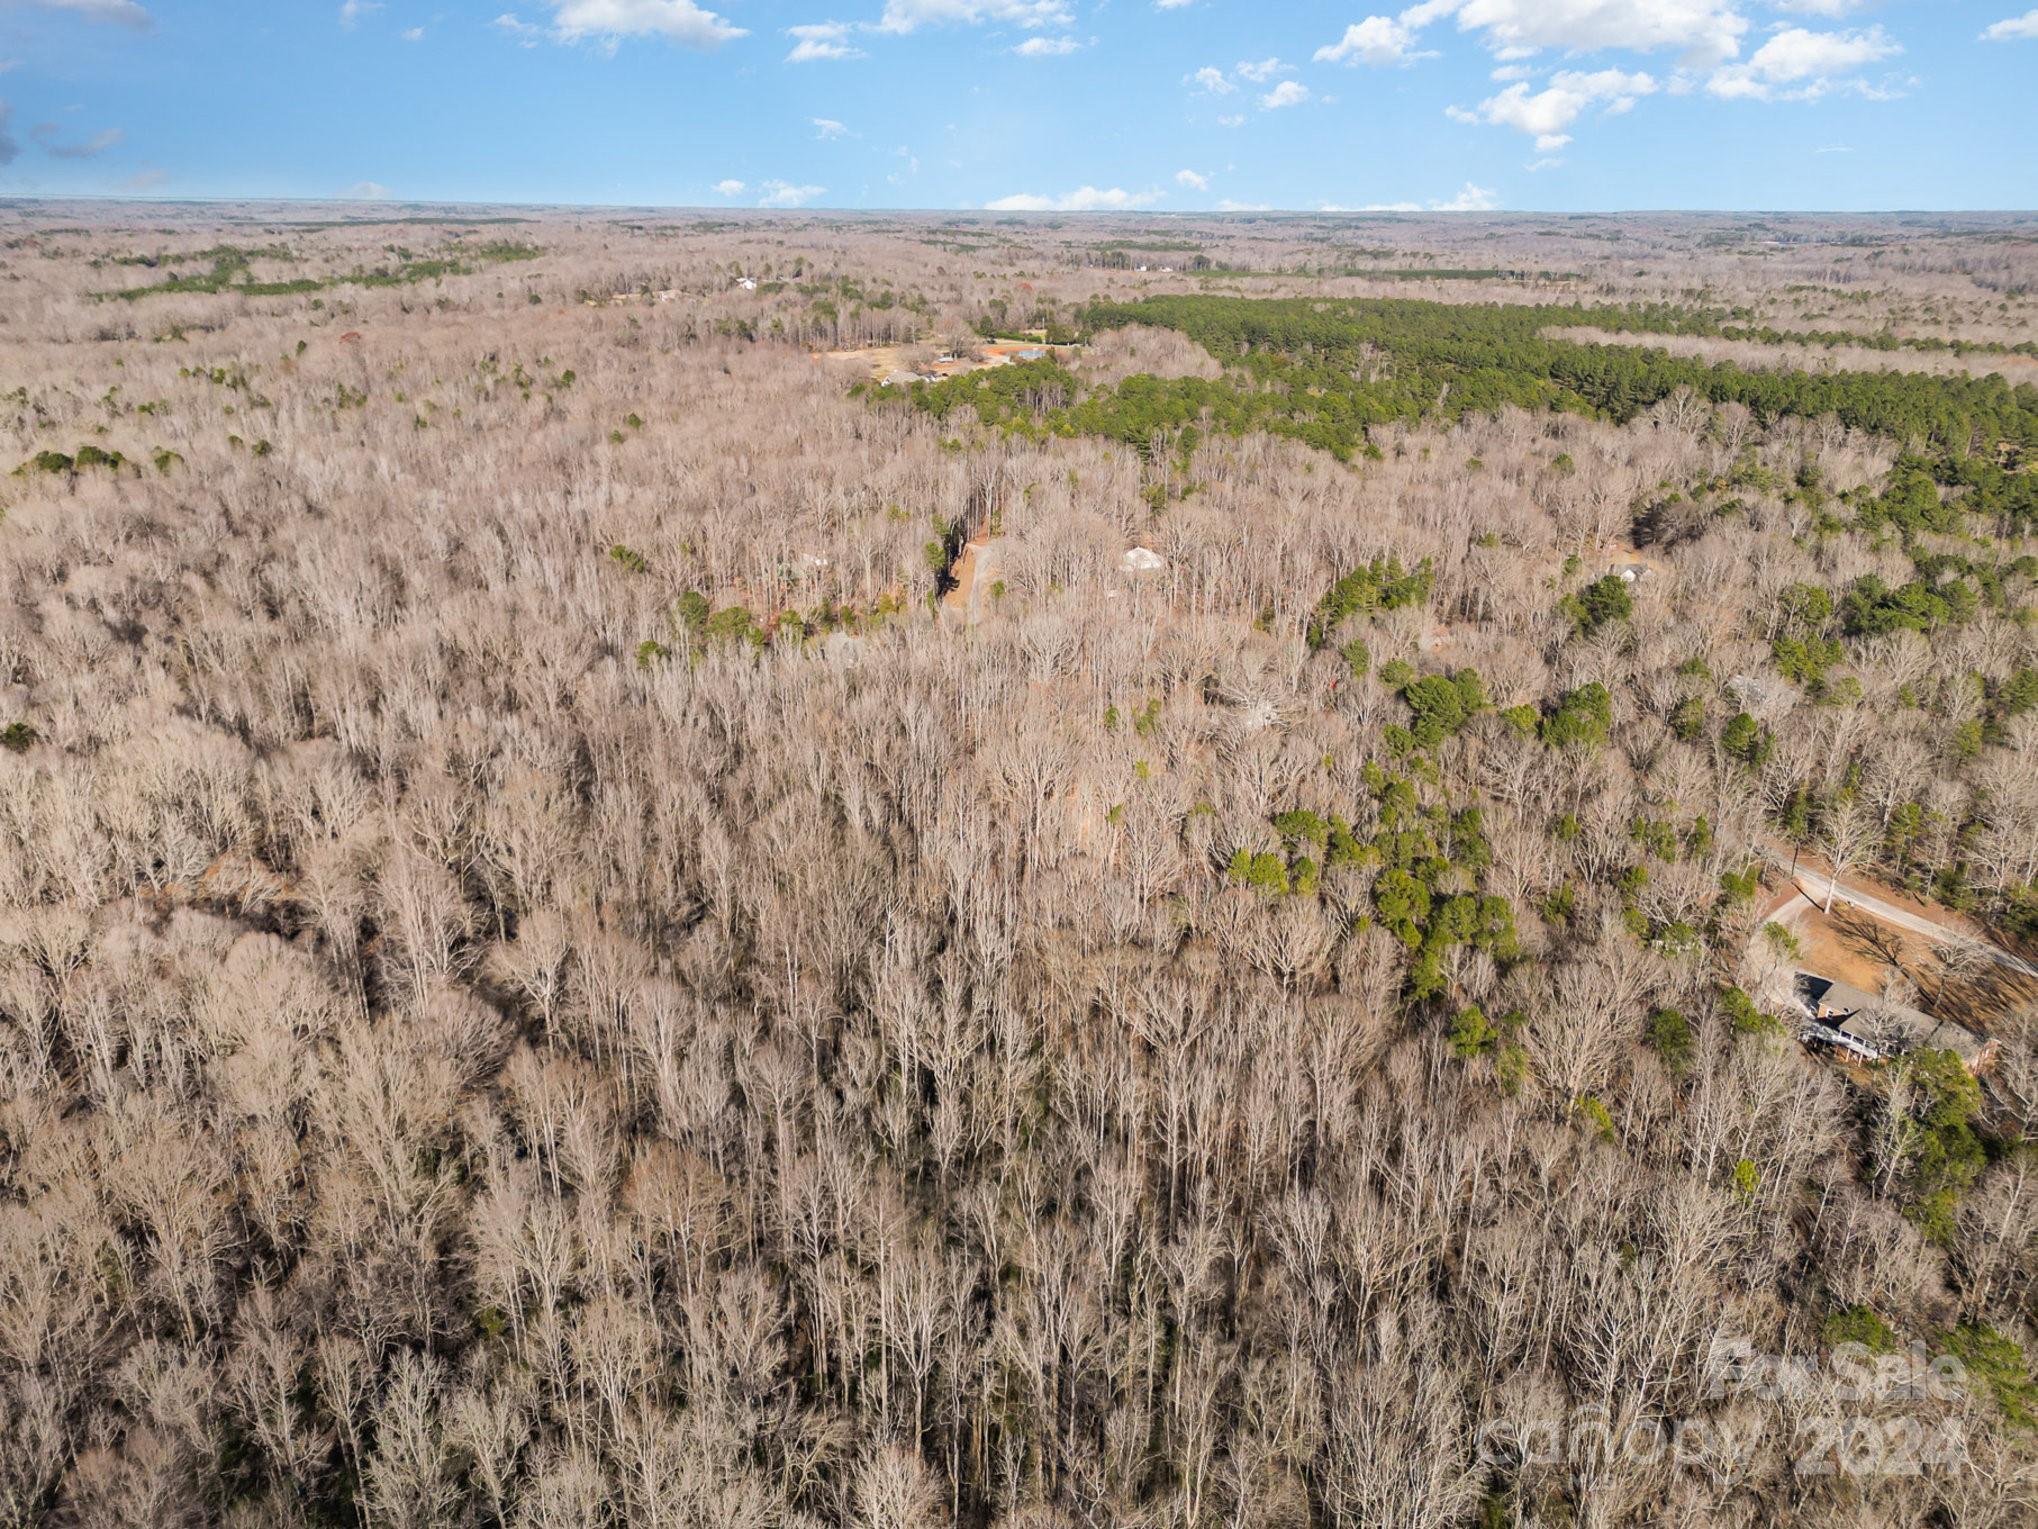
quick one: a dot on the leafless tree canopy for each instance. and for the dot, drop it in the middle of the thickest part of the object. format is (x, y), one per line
(548, 977)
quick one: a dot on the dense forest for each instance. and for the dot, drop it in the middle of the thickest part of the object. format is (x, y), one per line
(641, 885)
(1326, 373)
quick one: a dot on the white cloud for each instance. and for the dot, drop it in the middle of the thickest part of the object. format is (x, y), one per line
(1819, 7)
(1261, 72)
(1548, 162)
(518, 28)
(818, 40)
(1799, 65)
(1378, 40)
(784, 194)
(1090, 199)
(366, 191)
(1287, 93)
(679, 21)
(1547, 114)
(1170, 5)
(1192, 179)
(1083, 199)
(1704, 32)
(412, 34)
(827, 127)
(1470, 198)
(1212, 79)
(1228, 205)
(120, 12)
(1234, 119)
(46, 134)
(1046, 47)
(352, 11)
(730, 187)
(906, 15)
(2012, 28)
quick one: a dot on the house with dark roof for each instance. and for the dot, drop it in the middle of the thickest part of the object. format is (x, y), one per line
(1874, 1028)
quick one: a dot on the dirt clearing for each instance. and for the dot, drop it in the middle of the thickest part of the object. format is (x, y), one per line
(1851, 946)
(975, 573)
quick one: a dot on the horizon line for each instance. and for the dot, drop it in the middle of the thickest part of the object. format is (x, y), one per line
(129, 198)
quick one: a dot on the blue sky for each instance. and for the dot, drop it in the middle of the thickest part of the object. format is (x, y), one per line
(1174, 105)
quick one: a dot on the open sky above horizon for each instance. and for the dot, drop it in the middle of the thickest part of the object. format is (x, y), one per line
(1175, 105)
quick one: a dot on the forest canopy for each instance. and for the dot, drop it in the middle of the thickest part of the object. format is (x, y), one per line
(1451, 359)
(649, 877)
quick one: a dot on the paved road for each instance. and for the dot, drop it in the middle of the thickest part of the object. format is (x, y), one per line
(1814, 887)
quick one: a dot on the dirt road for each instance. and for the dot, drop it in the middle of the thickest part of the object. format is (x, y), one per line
(1814, 886)
(975, 572)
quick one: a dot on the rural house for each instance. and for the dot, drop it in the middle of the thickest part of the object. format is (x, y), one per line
(1874, 1028)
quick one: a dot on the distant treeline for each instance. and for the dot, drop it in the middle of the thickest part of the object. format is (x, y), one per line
(1326, 373)
(1711, 326)
(1449, 359)
(1445, 273)
(1390, 273)
(230, 272)
(420, 222)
